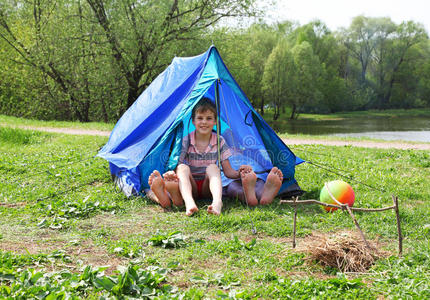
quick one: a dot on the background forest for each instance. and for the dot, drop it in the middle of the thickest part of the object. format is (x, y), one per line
(89, 60)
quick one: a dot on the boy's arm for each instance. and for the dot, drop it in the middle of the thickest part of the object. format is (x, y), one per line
(229, 171)
(232, 173)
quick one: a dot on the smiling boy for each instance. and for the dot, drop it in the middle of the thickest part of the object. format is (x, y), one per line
(199, 176)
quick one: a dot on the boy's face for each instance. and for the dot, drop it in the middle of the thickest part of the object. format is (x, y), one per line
(204, 121)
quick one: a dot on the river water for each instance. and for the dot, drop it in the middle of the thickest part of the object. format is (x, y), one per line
(386, 128)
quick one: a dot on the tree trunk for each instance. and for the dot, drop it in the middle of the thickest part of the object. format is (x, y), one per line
(262, 106)
(293, 112)
(104, 110)
(276, 111)
(132, 95)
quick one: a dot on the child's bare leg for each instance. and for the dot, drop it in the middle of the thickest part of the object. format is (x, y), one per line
(171, 183)
(156, 183)
(272, 186)
(184, 174)
(249, 180)
(213, 175)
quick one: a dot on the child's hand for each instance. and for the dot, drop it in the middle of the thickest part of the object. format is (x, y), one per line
(244, 169)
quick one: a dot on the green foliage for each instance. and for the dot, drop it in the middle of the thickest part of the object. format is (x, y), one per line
(220, 280)
(19, 136)
(279, 78)
(130, 281)
(173, 239)
(78, 60)
(407, 277)
(127, 248)
(59, 212)
(234, 245)
(9, 260)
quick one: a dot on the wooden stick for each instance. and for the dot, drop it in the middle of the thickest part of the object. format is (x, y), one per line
(294, 222)
(346, 206)
(399, 229)
(312, 201)
(356, 224)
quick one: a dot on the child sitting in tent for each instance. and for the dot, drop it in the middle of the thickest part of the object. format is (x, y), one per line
(199, 176)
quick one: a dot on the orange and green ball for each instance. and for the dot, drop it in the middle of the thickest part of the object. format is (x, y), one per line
(340, 190)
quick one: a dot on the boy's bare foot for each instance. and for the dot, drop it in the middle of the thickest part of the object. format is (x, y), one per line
(171, 183)
(191, 210)
(248, 182)
(156, 183)
(272, 186)
(215, 208)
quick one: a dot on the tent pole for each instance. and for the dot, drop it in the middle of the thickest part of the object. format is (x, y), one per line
(253, 229)
(218, 131)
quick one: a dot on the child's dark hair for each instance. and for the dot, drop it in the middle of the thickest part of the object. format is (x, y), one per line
(203, 105)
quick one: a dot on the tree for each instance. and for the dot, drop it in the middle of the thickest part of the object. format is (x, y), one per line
(62, 48)
(308, 70)
(330, 82)
(96, 56)
(422, 73)
(246, 51)
(140, 33)
(360, 39)
(394, 48)
(279, 78)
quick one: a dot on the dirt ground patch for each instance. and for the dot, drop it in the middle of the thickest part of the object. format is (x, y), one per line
(29, 247)
(69, 130)
(86, 251)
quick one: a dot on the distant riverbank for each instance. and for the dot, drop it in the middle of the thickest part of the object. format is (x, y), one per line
(401, 125)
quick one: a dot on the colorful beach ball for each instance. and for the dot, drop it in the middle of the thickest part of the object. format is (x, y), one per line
(340, 190)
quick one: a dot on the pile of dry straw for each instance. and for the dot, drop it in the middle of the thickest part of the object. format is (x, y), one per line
(345, 251)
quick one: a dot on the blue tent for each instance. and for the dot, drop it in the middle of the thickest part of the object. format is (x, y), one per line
(149, 135)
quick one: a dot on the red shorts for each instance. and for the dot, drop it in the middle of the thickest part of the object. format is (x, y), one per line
(200, 188)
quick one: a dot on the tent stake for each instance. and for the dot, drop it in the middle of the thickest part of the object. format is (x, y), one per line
(399, 229)
(294, 221)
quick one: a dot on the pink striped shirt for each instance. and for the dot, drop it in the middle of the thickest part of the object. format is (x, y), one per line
(199, 161)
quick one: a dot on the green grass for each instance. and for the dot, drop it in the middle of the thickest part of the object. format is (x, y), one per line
(61, 219)
(20, 122)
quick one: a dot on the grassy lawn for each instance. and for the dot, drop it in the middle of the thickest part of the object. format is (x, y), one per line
(66, 232)
(19, 122)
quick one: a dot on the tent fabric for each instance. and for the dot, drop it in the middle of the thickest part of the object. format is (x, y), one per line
(149, 135)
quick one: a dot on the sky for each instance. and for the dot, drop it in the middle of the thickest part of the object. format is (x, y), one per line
(339, 13)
